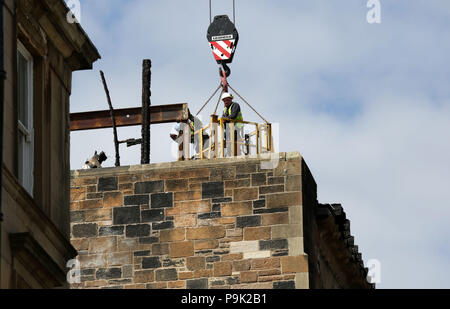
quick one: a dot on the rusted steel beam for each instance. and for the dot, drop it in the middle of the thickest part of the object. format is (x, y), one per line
(128, 117)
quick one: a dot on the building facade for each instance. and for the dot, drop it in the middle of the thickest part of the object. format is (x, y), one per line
(239, 223)
(41, 51)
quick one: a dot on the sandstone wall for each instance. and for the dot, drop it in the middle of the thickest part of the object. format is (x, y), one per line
(222, 223)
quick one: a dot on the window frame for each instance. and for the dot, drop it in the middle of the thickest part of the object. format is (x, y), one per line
(26, 145)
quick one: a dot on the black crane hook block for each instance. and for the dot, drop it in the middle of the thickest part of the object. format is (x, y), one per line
(223, 39)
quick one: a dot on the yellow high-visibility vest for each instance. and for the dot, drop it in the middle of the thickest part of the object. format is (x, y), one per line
(239, 117)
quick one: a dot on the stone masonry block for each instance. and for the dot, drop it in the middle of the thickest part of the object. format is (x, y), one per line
(139, 230)
(77, 194)
(296, 246)
(245, 194)
(136, 200)
(84, 230)
(195, 263)
(244, 246)
(237, 209)
(302, 280)
(149, 187)
(153, 215)
(217, 174)
(212, 189)
(259, 203)
(249, 276)
(294, 183)
(195, 207)
(275, 219)
(205, 232)
(144, 276)
(92, 260)
(162, 225)
(237, 183)
(90, 204)
(201, 273)
(257, 233)
(295, 215)
(278, 200)
(172, 235)
(181, 249)
(183, 275)
(242, 265)
(109, 273)
(101, 214)
(107, 184)
(271, 189)
(162, 200)
(126, 215)
(210, 215)
(119, 258)
(81, 244)
(187, 195)
(259, 179)
(169, 274)
(248, 221)
(197, 284)
(176, 285)
(151, 262)
(257, 254)
(141, 253)
(185, 221)
(273, 244)
(160, 249)
(223, 269)
(222, 200)
(103, 244)
(254, 286)
(294, 264)
(245, 169)
(174, 185)
(112, 199)
(287, 231)
(76, 216)
(148, 240)
(275, 180)
(289, 285)
(111, 230)
(265, 263)
(206, 244)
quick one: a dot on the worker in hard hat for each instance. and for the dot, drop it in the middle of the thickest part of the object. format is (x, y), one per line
(232, 111)
(195, 124)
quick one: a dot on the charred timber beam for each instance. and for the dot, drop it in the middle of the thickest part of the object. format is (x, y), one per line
(128, 117)
(146, 103)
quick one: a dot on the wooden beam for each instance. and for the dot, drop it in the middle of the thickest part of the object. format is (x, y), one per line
(128, 117)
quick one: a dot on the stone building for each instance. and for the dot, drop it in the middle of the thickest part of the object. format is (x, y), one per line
(41, 50)
(220, 223)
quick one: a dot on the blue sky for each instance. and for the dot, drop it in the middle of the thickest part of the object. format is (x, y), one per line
(367, 105)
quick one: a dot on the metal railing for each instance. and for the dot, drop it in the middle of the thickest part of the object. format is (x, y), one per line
(216, 141)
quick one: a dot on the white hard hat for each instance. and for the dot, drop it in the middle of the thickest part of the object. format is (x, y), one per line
(226, 95)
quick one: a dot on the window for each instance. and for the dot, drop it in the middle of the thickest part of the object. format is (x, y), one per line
(25, 117)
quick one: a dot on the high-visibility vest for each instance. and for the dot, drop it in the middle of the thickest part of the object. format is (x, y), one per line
(239, 117)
